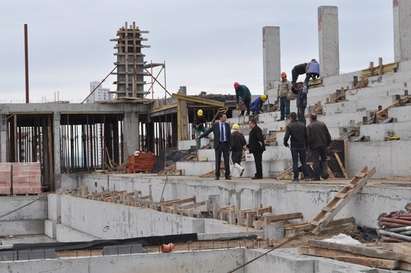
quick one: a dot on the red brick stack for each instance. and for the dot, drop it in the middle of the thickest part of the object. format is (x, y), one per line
(26, 178)
(5, 178)
(141, 162)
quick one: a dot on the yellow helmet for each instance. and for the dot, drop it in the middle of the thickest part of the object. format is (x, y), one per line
(200, 113)
(236, 126)
(263, 97)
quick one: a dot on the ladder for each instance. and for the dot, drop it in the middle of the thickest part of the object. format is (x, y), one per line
(342, 197)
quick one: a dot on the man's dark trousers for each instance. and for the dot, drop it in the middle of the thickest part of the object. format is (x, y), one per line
(247, 102)
(258, 158)
(224, 149)
(319, 156)
(284, 107)
(295, 154)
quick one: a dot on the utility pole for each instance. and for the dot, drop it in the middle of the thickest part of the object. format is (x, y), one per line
(26, 60)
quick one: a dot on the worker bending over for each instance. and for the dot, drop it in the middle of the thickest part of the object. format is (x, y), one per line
(257, 105)
(243, 95)
(283, 96)
(298, 70)
(297, 132)
(238, 144)
(313, 71)
(319, 139)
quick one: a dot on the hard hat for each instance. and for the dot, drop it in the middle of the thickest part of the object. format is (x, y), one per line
(200, 112)
(236, 126)
(236, 85)
(283, 75)
(263, 97)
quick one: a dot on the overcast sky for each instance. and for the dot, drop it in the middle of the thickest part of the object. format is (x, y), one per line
(207, 44)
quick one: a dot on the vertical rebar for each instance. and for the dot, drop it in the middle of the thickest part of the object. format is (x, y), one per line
(26, 60)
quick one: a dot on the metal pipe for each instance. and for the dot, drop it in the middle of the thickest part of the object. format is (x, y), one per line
(26, 60)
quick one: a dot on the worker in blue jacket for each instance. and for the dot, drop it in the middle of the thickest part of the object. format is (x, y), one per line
(257, 105)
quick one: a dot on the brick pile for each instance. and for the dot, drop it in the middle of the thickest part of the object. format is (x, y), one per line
(26, 178)
(140, 162)
(5, 178)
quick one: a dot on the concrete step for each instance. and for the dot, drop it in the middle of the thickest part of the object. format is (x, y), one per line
(377, 132)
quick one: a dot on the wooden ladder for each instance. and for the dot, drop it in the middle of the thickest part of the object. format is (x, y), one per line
(342, 197)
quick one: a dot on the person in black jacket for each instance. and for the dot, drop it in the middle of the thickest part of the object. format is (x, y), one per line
(222, 138)
(298, 70)
(297, 132)
(319, 139)
(237, 146)
(256, 146)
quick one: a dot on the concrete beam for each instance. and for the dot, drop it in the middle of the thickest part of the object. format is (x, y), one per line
(402, 30)
(56, 150)
(328, 41)
(73, 108)
(271, 56)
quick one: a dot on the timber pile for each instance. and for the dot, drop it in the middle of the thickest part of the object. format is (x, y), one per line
(384, 256)
(337, 96)
(316, 108)
(395, 226)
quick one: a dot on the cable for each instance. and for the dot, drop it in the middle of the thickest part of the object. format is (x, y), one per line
(262, 255)
(19, 208)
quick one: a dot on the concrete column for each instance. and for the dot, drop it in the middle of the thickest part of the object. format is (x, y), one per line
(402, 30)
(3, 138)
(328, 41)
(131, 133)
(271, 57)
(56, 150)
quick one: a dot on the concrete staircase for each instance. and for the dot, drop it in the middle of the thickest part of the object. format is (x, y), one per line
(389, 157)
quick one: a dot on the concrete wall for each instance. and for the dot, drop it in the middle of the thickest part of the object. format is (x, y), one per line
(85, 219)
(307, 198)
(24, 221)
(402, 30)
(271, 57)
(328, 41)
(217, 261)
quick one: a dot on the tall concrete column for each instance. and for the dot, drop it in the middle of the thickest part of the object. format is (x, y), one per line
(402, 30)
(56, 149)
(3, 138)
(271, 57)
(131, 133)
(328, 41)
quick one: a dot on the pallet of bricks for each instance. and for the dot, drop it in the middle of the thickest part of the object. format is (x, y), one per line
(20, 178)
(140, 162)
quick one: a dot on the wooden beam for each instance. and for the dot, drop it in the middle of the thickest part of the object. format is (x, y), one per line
(199, 100)
(282, 217)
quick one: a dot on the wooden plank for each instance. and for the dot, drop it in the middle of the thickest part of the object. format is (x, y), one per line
(356, 184)
(340, 164)
(401, 249)
(357, 250)
(282, 217)
(348, 257)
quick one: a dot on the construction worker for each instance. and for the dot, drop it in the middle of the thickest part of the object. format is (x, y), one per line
(222, 138)
(199, 125)
(318, 139)
(301, 100)
(257, 105)
(313, 71)
(238, 144)
(283, 96)
(298, 70)
(243, 93)
(297, 132)
(256, 146)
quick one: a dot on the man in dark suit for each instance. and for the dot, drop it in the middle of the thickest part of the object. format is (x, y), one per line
(222, 135)
(256, 146)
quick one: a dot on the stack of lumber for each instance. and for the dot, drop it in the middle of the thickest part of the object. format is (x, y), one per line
(338, 96)
(384, 256)
(140, 162)
(316, 108)
(395, 226)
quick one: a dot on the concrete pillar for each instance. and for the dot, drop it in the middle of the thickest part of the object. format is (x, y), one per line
(402, 30)
(56, 150)
(3, 138)
(131, 133)
(328, 41)
(271, 57)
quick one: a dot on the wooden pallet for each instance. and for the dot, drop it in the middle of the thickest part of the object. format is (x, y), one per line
(341, 199)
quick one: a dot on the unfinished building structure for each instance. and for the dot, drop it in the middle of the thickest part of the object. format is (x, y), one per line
(116, 222)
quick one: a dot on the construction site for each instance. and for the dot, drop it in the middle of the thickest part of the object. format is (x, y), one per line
(127, 185)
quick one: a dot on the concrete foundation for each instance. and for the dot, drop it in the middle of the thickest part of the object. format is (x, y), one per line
(307, 198)
(328, 41)
(271, 57)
